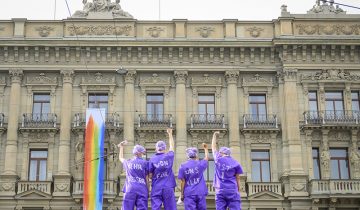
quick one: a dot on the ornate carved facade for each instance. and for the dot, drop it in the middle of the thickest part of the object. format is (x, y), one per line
(279, 89)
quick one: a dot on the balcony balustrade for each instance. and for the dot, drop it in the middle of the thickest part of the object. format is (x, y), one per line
(332, 117)
(207, 121)
(262, 121)
(42, 186)
(257, 187)
(112, 120)
(110, 188)
(155, 121)
(333, 187)
(39, 120)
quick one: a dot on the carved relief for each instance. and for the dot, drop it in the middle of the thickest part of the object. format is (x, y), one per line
(255, 31)
(130, 77)
(39, 137)
(232, 76)
(338, 29)
(180, 77)
(155, 80)
(331, 74)
(257, 80)
(79, 154)
(62, 187)
(68, 75)
(205, 31)
(260, 138)
(44, 31)
(354, 158)
(99, 30)
(16, 75)
(299, 187)
(339, 136)
(98, 78)
(41, 79)
(155, 31)
(2, 28)
(102, 6)
(325, 160)
(7, 186)
(326, 8)
(206, 80)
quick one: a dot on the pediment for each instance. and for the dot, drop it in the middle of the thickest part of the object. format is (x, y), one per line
(41, 79)
(98, 79)
(155, 80)
(206, 81)
(266, 195)
(258, 81)
(33, 194)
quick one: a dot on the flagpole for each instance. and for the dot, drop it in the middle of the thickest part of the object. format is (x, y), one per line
(159, 9)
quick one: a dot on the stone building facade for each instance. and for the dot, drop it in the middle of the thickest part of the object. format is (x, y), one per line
(284, 94)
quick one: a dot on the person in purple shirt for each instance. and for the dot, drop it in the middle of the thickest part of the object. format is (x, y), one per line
(136, 185)
(227, 178)
(163, 180)
(191, 175)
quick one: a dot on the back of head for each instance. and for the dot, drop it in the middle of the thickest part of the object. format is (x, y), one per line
(139, 150)
(225, 151)
(160, 146)
(191, 152)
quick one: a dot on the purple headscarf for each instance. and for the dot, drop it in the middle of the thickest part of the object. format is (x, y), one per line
(225, 150)
(191, 152)
(138, 149)
(160, 146)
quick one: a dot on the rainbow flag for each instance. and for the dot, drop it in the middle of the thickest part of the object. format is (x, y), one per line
(94, 159)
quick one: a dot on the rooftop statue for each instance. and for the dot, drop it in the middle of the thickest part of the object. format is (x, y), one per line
(102, 8)
(326, 8)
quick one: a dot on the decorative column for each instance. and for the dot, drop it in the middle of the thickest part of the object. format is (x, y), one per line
(181, 115)
(325, 156)
(233, 113)
(129, 103)
(8, 178)
(296, 181)
(354, 156)
(63, 177)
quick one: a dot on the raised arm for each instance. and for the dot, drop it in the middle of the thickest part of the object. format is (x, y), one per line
(238, 181)
(171, 139)
(206, 151)
(121, 151)
(182, 188)
(213, 142)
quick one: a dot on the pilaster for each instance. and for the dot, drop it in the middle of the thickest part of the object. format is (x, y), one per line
(129, 103)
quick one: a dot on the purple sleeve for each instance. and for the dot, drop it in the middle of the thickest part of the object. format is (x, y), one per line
(203, 164)
(239, 169)
(216, 156)
(181, 173)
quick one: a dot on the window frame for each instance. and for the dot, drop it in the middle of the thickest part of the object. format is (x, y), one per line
(355, 100)
(38, 161)
(346, 158)
(98, 102)
(154, 104)
(264, 102)
(206, 103)
(317, 159)
(261, 161)
(334, 100)
(41, 102)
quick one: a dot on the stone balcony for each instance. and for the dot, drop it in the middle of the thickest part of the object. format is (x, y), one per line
(28, 187)
(112, 121)
(154, 121)
(334, 188)
(109, 191)
(332, 118)
(38, 121)
(260, 121)
(258, 187)
(207, 121)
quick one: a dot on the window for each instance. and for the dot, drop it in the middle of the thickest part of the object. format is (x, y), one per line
(38, 165)
(209, 172)
(334, 102)
(316, 163)
(339, 164)
(313, 105)
(155, 106)
(41, 106)
(355, 101)
(98, 100)
(260, 166)
(257, 107)
(206, 104)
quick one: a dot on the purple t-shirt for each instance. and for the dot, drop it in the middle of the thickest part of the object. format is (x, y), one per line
(160, 166)
(226, 169)
(193, 173)
(136, 171)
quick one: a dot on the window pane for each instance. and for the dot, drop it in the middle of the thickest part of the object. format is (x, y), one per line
(46, 108)
(339, 105)
(206, 98)
(255, 172)
(333, 95)
(312, 96)
(41, 97)
(32, 170)
(202, 109)
(338, 153)
(313, 106)
(344, 169)
(210, 109)
(316, 169)
(257, 98)
(260, 155)
(38, 154)
(211, 170)
(36, 108)
(265, 171)
(262, 109)
(42, 170)
(253, 109)
(355, 105)
(329, 105)
(334, 170)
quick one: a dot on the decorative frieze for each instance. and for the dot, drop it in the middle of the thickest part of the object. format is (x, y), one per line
(206, 80)
(205, 31)
(255, 31)
(98, 78)
(330, 29)
(42, 79)
(339, 136)
(99, 30)
(331, 74)
(44, 31)
(155, 80)
(257, 81)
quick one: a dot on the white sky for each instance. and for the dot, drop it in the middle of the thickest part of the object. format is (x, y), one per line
(170, 9)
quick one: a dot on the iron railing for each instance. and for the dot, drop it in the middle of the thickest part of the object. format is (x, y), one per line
(111, 120)
(2, 120)
(260, 121)
(332, 117)
(39, 120)
(155, 120)
(204, 121)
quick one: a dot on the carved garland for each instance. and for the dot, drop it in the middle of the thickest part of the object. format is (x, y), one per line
(205, 31)
(155, 31)
(255, 31)
(44, 31)
(331, 74)
(99, 30)
(329, 29)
